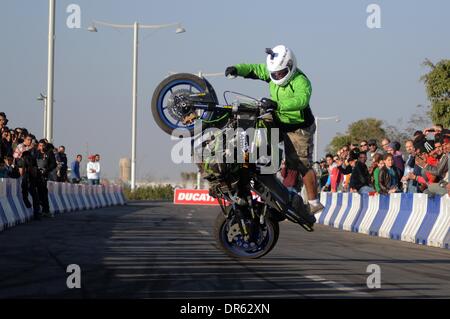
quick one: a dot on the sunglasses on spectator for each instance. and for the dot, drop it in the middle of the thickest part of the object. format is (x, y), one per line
(363, 145)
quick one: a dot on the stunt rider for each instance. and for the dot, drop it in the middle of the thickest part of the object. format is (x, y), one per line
(290, 92)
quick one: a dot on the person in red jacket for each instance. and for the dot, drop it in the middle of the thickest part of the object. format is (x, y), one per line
(336, 175)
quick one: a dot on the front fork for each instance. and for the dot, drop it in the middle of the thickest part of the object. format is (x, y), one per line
(257, 217)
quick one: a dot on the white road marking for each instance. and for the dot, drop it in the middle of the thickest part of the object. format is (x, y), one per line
(203, 232)
(336, 285)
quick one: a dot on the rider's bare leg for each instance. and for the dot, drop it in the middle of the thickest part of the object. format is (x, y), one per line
(310, 182)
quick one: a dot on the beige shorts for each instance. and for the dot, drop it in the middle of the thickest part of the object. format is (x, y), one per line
(299, 147)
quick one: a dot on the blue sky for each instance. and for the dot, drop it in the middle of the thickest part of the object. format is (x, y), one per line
(356, 72)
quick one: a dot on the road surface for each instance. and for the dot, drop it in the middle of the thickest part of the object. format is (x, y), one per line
(158, 250)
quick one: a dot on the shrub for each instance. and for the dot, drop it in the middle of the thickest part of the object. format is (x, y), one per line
(160, 192)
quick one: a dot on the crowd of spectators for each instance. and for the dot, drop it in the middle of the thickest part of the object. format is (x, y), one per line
(22, 155)
(367, 168)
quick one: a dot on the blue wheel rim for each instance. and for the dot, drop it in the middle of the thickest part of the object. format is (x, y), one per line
(160, 105)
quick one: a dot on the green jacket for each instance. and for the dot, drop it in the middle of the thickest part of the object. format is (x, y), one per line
(292, 98)
(376, 179)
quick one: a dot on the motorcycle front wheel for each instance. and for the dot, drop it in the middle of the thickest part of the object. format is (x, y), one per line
(232, 242)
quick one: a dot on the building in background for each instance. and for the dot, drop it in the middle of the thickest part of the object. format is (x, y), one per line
(125, 170)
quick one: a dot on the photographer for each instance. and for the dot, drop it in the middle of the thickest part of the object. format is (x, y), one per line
(439, 171)
(29, 172)
(46, 163)
(61, 162)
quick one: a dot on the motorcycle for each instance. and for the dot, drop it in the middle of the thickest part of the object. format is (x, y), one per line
(252, 202)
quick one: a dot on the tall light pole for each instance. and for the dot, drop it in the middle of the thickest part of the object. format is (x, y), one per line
(43, 98)
(136, 26)
(316, 135)
(50, 71)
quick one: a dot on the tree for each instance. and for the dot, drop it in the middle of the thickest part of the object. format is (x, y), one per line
(395, 134)
(338, 142)
(437, 83)
(418, 120)
(365, 129)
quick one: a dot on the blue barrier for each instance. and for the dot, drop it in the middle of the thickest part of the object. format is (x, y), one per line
(415, 218)
(63, 197)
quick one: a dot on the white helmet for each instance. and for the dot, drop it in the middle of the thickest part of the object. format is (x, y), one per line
(281, 64)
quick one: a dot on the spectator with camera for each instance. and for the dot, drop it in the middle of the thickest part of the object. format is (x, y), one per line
(423, 147)
(46, 159)
(46, 163)
(440, 170)
(61, 162)
(30, 174)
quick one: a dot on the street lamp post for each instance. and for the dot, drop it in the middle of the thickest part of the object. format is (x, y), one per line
(50, 71)
(316, 135)
(43, 98)
(136, 26)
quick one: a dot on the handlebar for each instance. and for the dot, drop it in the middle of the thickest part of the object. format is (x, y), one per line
(236, 108)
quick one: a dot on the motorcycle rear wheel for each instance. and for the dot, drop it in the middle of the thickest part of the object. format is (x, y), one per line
(166, 116)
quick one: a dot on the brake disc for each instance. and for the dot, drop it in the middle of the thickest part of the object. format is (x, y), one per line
(234, 231)
(178, 105)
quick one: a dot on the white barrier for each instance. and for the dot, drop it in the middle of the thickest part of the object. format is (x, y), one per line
(440, 233)
(419, 209)
(63, 197)
(9, 214)
(415, 218)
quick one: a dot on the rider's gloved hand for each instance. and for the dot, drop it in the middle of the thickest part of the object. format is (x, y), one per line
(269, 104)
(231, 72)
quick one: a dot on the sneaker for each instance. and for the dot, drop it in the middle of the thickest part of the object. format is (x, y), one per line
(314, 209)
(301, 211)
